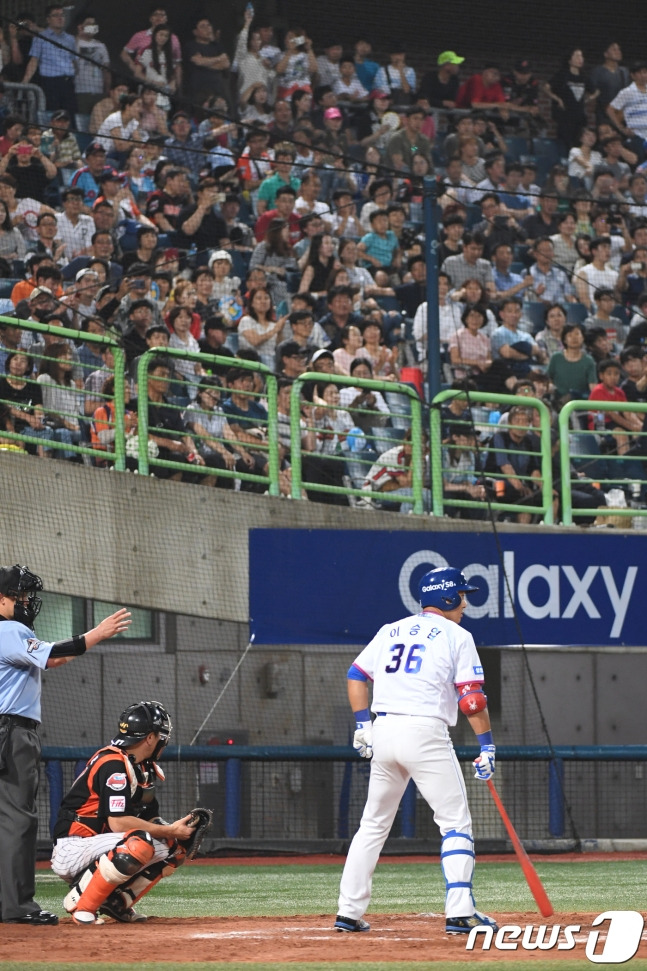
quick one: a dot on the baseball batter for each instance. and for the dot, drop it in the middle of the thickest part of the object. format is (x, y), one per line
(423, 668)
(110, 844)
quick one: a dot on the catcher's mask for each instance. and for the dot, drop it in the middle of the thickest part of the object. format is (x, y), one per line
(139, 720)
(21, 584)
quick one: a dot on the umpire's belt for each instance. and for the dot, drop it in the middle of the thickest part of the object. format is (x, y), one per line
(22, 721)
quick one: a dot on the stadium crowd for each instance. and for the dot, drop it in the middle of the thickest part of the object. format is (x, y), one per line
(266, 204)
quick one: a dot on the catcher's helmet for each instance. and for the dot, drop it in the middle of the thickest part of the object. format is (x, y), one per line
(139, 720)
(442, 588)
(19, 582)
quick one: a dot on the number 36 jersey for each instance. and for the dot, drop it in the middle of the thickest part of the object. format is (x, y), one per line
(415, 664)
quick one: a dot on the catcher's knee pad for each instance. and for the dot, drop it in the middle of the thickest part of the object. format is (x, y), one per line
(132, 854)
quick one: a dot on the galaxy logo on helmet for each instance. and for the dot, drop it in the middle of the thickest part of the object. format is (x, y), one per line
(442, 588)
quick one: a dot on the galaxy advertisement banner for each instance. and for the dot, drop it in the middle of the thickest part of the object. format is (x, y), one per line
(339, 586)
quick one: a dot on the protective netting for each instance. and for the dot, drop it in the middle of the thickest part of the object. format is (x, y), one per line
(98, 534)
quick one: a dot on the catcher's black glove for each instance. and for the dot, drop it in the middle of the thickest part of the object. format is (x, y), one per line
(201, 821)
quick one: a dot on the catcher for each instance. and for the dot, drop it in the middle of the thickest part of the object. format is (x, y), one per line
(110, 844)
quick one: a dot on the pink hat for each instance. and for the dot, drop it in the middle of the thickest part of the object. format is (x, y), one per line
(333, 113)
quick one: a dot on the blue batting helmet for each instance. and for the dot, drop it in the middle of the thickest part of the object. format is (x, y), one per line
(442, 588)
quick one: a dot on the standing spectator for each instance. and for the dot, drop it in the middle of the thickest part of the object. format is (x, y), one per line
(61, 147)
(365, 68)
(92, 79)
(254, 69)
(397, 77)
(328, 64)
(439, 89)
(21, 714)
(628, 110)
(570, 90)
(143, 39)
(609, 78)
(21, 35)
(521, 91)
(155, 66)
(53, 52)
(208, 62)
(297, 66)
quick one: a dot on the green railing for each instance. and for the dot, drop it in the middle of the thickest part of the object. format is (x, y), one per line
(543, 508)
(565, 431)
(145, 461)
(370, 384)
(118, 454)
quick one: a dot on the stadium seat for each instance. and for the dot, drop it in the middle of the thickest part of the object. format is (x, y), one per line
(576, 313)
(473, 215)
(518, 267)
(239, 263)
(516, 146)
(389, 303)
(534, 312)
(83, 139)
(6, 286)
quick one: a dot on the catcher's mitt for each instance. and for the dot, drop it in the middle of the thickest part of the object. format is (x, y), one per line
(201, 821)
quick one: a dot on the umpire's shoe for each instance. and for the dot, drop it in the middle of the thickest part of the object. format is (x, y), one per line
(463, 925)
(37, 918)
(348, 924)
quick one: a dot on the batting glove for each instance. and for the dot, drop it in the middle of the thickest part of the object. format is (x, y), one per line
(485, 763)
(363, 738)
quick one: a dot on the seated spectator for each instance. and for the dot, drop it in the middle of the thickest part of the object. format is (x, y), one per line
(451, 237)
(380, 248)
(383, 359)
(549, 340)
(284, 210)
(241, 237)
(599, 344)
(319, 266)
(22, 398)
(183, 148)
(120, 129)
(544, 222)
(166, 205)
(329, 425)
(469, 264)
(351, 348)
(470, 350)
(513, 198)
(291, 359)
(494, 165)
(166, 428)
(145, 250)
(29, 166)
(409, 140)
(153, 119)
(225, 288)
(199, 224)
(507, 283)
(358, 276)
(634, 364)
(62, 402)
(461, 467)
(248, 421)
(392, 476)
(87, 177)
(411, 295)
(75, 229)
(103, 427)
(497, 227)
(616, 424)
(572, 371)
(597, 275)
(308, 201)
(12, 243)
(207, 422)
(24, 212)
(637, 197)
(276, 257)
(60, 145)
(372, 410)
(515, 457)
(340, 314)
(213, 342)
(14, 127)
(43, 274)
(281, 178)
(550, 284)
(258, 330)
(345, 221)
(564, 251)
(305, 331)
(483, 91)
(516, 349)
(605, 302)
(179, 323)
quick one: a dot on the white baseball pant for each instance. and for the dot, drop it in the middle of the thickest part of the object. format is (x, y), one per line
(74, 854)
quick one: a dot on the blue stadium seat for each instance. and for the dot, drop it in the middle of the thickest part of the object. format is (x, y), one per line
(240, 263)
(576, 313)
(517, 267)
(83, 139)
(516, 146)
(473, 215)
(534, 312)
(388, 303)
(6, 286)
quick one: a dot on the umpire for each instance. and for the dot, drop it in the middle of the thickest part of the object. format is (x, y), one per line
(22, 658)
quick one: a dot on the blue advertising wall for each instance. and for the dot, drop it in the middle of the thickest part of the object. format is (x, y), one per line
(339, 586)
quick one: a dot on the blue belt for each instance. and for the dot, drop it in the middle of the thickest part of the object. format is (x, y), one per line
(381, 714)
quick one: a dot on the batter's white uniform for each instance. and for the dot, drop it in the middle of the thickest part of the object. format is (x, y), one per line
(415, 665)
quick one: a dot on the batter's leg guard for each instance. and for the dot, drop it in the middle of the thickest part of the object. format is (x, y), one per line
(457, 861)
(126, 859)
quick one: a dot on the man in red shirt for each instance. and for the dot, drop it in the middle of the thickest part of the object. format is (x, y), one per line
(285, 199)
(483, 91)
(617, 423)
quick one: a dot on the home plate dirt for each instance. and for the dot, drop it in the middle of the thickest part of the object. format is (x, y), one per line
(393, 937)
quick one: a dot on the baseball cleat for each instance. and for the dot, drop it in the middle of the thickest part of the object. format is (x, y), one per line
(36, 919)
(86, 918)
(125, 915)
(463, 925)
(348, 924)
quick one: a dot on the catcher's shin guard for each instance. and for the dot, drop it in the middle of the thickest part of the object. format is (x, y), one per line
(126, 859)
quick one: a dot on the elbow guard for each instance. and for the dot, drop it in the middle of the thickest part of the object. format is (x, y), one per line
(72, 647)
(472, 700)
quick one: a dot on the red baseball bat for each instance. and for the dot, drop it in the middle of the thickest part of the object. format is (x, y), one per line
(529, 872)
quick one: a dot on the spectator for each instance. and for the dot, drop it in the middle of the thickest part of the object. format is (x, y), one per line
(155, 66)
(319, 266)
(14, 127)
(92, 78)
(569, 91)
(61, 147)
(280, 125)
(549, 340)
(483, 91)
(628, 110)
(23, 400)
(199, 224)
(605, 302)
(87, 177)
(571, 370)
(30, 168)
(108, 105)
(291, 359)
(276, 257)
(302, 326)
(254, 69)
(351, 348)
(208, 62)
(599, 344)
(179, 320)
(143, 39)
(62, 402)
(616, 424)
(596, 275)
(634, 364)
(258, 330)
(609, 78)
(461, 464)
(75, 229)
(206, 420)
(184, 149)
(12, 243)
(248, 421)
(470, 350)
(409, 141)
(565, 253)
(521, 90)
(392, 475)
(544, 222)
(280, 178)
(330, 425)
(550, 284)
(469, 264)
(497, 227)
(53, 54)
(297, 65)
(382, 359)
(225, 287)
(397, 77)
(516, 349)
(380, 247)
(507, 284)
(165, 206)
(168, 432)
(515, 457)
(145, 250)
(365, 68)
(439, 89)
(120, 129)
